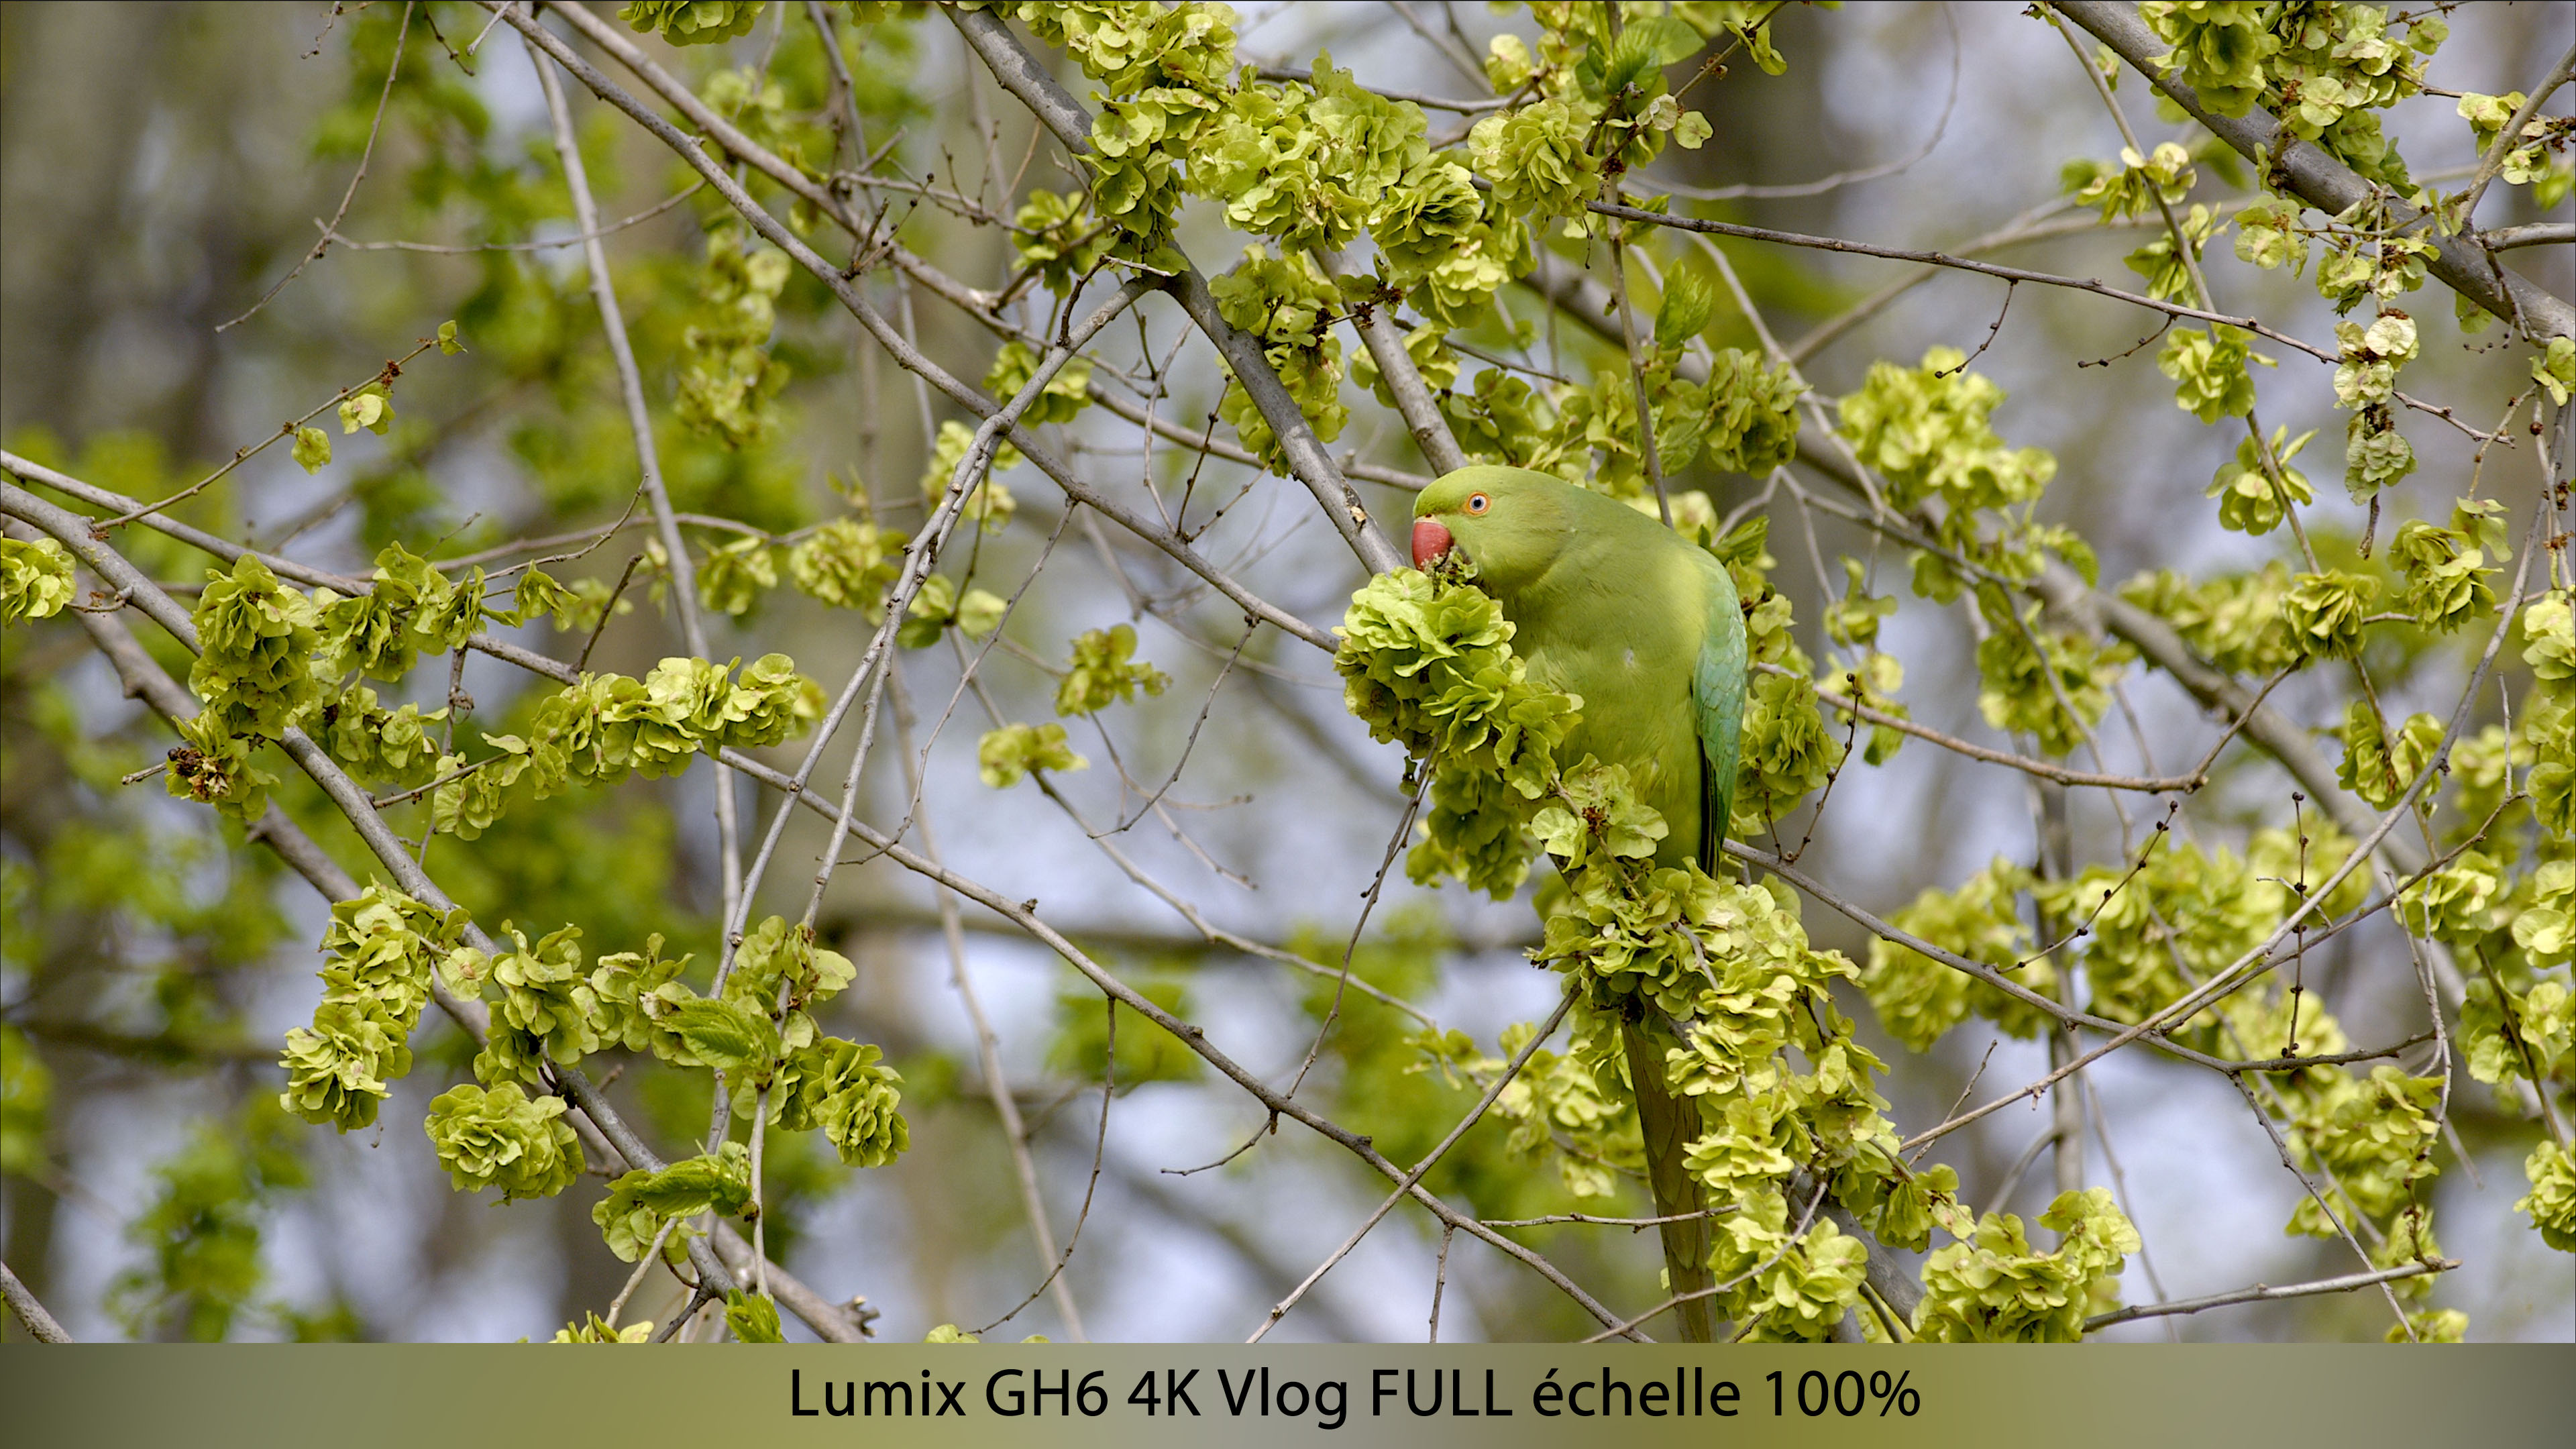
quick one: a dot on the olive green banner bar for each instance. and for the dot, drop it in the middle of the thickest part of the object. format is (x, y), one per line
(1130, 1397)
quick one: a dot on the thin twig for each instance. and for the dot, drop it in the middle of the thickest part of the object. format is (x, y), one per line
(2263, 1293)
(2510, 138)
(1405, 1184)
(2147, 784)
(2263, 956)
(612, 229)
(1023, 915)
(643, 1265)
(329, 228)
(988, 1043)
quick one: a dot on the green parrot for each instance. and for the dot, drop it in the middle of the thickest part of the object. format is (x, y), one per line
(1644, 626)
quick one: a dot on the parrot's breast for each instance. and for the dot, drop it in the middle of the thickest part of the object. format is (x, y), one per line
(1626, 639)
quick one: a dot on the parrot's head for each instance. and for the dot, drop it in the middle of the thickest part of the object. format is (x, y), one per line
(1509, 522)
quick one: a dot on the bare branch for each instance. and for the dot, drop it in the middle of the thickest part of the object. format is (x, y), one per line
(1429, 103)
(2509, 138)
(1944, 259)
(2263, 956)
(2534, 234)
(988, 1044)
(331, 228)
(2041, 768)
(1378, 331)
(2261, 1293)
(29, 1311)
(611, 229)
(1405, 1185)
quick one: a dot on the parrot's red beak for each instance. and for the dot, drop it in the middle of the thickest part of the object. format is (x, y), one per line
(1430, 541)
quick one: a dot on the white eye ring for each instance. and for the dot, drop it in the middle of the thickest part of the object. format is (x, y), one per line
(1478, 503)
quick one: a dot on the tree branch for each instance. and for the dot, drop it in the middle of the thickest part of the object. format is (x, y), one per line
(2261, 1293)
(1020, 74)
(1022, 914)
(988, 1043)
(360, 811)
(2215, 689)
(2059, 588)
(2263, 957)
(29, 1311)
(1944, 259)
(1413, 400)
(2510, 137)
(1405, 1184)
(2040, 768)
(648, 456)
(2318, 179)
(887, 336)
(2534, 234)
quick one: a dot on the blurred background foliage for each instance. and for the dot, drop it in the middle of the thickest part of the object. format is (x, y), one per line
(161, 168)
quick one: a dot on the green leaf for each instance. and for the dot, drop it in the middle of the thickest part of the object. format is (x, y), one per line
(719, 1034)
(847, 564)
(2551, 1203)
(1666, 38)
(371, 409)
(721, 1183)
(256, 674)
(639, 1203)
(35, 579)
(312, 449)
(1537, 157)
(733, 576)
(1997, 1288)
(2249, 501)
(1690, 296)
(988, 502)
(693, 22)
(844, 1089)
(2208, 366)
(1064, 397)
(1006, 755)
(2377, 768)
(2217, 49)
(502, 1139)
(753, 1317)
(26, 1089)
(1926, 430)
(2555, 370)
(599, 1330)
(2325, 611)
(730, 377)
(2447, 581)
(1753, 413)
(1104, 672)
(979, 613)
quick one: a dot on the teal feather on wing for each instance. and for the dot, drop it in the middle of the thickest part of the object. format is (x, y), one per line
(1717, 697)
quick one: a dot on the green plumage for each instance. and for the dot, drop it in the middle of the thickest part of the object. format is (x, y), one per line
(1609, 605)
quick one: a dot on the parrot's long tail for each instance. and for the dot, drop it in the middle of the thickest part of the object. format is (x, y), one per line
(1669, 1127)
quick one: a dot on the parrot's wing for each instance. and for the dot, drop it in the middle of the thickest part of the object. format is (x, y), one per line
(1717, 701)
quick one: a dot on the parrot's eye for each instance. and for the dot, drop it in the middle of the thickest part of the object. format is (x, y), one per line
(1478, 503)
